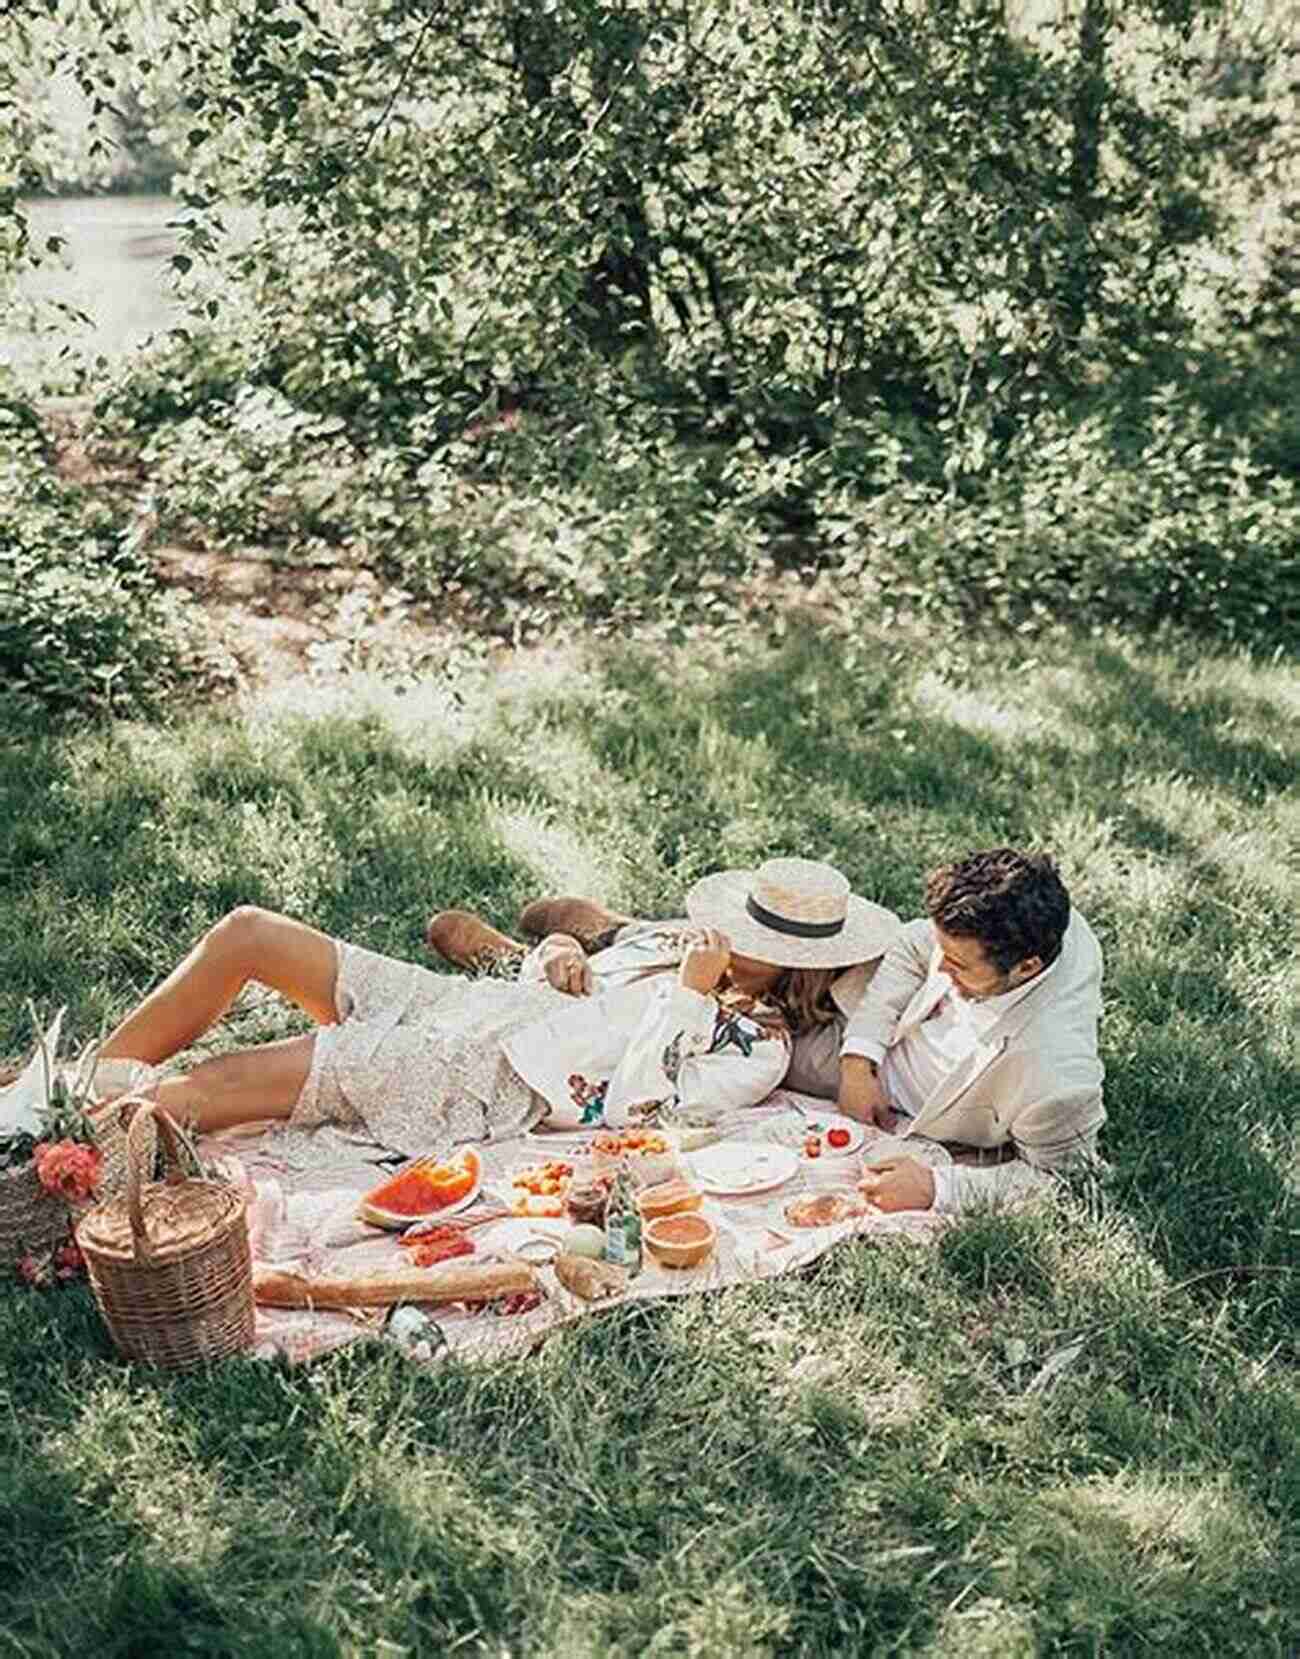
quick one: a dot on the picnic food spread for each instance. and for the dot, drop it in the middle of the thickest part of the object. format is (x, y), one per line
(619, 1143)
(661, 1219)
(437, 1243)
(838, 1138)
(648, 1154)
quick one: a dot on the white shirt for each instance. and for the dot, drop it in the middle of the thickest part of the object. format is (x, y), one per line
(913, 1069)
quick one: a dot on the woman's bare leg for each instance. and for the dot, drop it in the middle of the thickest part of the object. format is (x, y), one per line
(252, 1084)
(249, 943)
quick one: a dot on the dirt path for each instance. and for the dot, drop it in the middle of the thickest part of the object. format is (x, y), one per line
(277, 620)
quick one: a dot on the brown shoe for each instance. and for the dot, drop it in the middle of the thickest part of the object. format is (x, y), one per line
(466, 941)
(589, 923)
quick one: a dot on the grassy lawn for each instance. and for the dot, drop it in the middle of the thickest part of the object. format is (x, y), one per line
(863, 1460)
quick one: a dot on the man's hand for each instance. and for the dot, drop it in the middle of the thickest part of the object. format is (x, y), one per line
(898, 1184)
(861, 1095)
(565, 965)
(706, 960)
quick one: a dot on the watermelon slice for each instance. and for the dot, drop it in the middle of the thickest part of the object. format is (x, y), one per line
(427, 1187)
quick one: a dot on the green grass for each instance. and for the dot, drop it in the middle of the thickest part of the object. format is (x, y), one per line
(854, 1461)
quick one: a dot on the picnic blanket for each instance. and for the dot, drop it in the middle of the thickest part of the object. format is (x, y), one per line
(302, 1216)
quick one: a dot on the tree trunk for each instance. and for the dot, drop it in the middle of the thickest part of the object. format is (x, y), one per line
(1087, 108)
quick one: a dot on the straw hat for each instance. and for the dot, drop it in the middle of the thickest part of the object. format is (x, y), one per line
(794, 912)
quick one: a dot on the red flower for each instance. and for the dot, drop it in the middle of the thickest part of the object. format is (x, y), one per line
(35, 1271)
(68, 1168)
(68, 1260)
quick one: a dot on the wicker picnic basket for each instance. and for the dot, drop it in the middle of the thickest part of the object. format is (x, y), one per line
(168, 1260)
(109, 1119)
(33, 1219)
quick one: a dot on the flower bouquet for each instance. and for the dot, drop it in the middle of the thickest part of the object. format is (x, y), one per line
(58, 1147)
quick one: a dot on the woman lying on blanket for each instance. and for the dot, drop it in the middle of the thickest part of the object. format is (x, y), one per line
(699, 1021)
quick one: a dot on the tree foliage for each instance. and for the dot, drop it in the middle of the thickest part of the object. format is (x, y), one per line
(594, 284)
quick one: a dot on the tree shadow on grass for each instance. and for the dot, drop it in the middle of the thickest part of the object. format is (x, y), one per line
(112, 865)
(1206, 1189)
(83, 1580)
(837, 769)
(1131, 716)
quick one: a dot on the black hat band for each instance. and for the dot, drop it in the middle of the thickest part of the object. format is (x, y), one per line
(796, 930)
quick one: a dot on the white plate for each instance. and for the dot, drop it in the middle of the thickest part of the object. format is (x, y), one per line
(378, 1217)
(738, 1168)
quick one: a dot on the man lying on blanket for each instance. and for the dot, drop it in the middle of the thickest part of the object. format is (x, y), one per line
(977, 1027)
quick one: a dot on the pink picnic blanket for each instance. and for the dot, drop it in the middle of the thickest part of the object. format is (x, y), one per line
(304, 1220)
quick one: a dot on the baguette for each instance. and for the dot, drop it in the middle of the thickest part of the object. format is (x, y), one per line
(453, 1281)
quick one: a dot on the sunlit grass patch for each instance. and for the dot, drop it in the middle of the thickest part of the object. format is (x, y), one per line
(124, 1447)
(1102, 1260)
(1104, 874)
(1005, 718)
(559, 857)
(984, 1627)
(1173, 1526)
(1254, 693)
(1244, 850)
(429, 719)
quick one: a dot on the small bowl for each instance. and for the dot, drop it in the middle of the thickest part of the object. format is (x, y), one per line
(668, 1198)
(683, 1240)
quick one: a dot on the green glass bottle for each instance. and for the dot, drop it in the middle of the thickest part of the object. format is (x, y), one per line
(623, 1224)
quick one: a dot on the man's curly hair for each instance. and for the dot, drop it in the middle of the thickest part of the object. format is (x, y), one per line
(1015, 904)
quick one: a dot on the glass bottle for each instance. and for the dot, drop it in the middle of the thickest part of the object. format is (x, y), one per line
(623, 1223)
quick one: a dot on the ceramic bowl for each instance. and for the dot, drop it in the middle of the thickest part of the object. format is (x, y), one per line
(683, 1240)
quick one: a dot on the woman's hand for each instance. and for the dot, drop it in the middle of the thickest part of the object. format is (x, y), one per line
(565, 965)
(861, 1095)
(706, 960)
(897, 1184)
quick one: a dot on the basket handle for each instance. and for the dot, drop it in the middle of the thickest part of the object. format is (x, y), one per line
(142, 1112)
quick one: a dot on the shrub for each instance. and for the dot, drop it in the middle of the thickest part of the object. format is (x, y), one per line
(1189, 529)
(83, 625)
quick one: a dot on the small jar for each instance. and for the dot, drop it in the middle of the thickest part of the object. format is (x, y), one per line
(586, 1202)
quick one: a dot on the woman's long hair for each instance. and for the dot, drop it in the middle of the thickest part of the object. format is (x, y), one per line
(805, 995)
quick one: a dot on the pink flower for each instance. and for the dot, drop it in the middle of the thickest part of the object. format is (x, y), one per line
(68, 1260)
(33, 1270)
(68, 1168)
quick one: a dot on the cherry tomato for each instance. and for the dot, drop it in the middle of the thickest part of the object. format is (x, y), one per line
(838, 1137)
